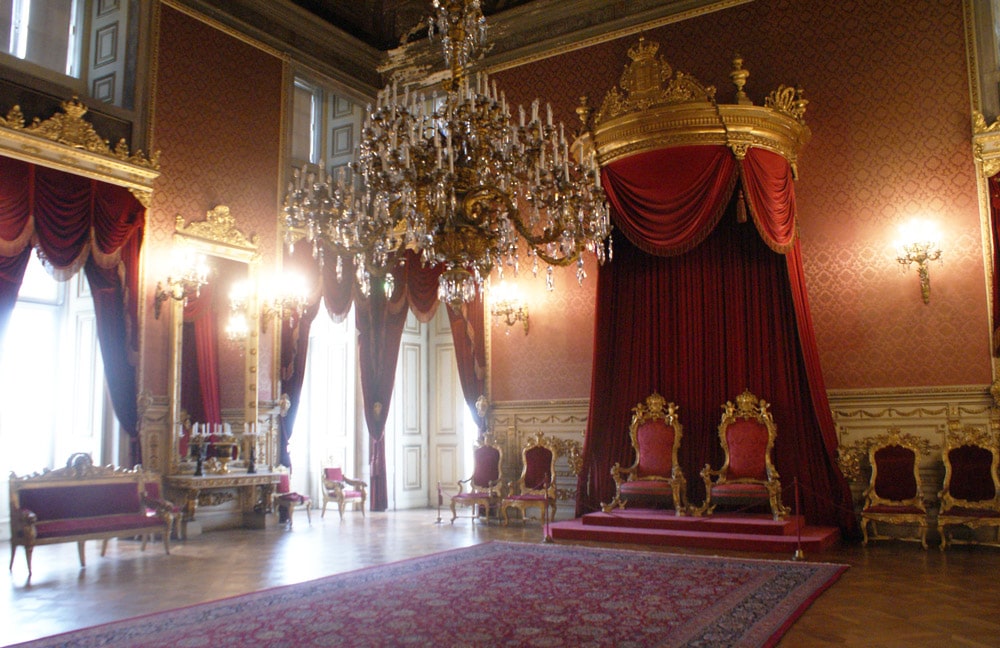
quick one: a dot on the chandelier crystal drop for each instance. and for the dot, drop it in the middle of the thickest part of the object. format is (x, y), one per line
(455, 178)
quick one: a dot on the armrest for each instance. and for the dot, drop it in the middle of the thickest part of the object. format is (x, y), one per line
(707, 473)
(620, 474)
(357, 483)
(22, 523)
(163, 508)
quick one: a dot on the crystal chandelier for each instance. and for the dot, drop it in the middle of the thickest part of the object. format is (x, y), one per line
(454, 178)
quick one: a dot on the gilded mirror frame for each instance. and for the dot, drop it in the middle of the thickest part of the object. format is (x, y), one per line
(217, 236)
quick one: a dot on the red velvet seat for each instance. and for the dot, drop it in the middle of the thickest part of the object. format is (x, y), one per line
(747, 476)
(655, 475)
(284, 500)
(343, 490)
(536, 488)
(484, 487)
(970, 496)
(894, 494)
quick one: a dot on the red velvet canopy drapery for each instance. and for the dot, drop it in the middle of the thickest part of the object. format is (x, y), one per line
(77, 222)
(380, 320)
(699, 306)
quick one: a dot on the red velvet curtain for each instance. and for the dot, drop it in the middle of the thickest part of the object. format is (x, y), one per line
(200, 312)
(380, 320)
(698, 306)
(72, 221)
(467, 333)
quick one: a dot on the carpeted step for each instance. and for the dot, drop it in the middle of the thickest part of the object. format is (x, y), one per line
(755, 524)
(813, 539)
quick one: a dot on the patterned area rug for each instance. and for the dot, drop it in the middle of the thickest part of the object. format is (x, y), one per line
(500, 594)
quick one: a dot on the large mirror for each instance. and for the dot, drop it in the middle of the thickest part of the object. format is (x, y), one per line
(198, 337)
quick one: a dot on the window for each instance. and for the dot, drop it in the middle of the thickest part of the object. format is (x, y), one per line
(49, 355)
(324, 126)
(986, 17)
(88, 45)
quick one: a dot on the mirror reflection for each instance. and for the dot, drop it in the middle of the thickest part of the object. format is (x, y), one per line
(213, 382)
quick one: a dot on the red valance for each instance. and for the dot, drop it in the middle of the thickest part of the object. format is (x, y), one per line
(75, 221)
(694, 184)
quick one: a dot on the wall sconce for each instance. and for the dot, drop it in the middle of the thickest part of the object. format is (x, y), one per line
(919, 245)
(507, 304)
(237, 328)
(282, 296)
(189, 272)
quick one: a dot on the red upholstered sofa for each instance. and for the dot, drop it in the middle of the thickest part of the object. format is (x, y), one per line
(84, 502)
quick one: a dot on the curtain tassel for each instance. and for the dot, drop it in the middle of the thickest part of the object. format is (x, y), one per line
(741, 208)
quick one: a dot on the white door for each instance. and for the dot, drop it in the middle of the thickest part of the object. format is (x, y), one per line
(407, 423)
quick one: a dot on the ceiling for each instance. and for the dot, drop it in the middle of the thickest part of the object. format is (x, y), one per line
(382, 24)
(360, 44)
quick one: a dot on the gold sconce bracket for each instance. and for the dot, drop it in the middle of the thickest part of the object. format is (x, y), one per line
(921, 250)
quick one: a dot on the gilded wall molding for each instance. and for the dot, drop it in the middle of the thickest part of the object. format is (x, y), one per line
(68, 142)
(926, 413)
(562, 423)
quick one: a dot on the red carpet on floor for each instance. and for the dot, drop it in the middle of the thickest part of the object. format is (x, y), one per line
(734, 531)
(499, 593)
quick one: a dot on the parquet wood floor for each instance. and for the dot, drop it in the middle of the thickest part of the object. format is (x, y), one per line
(894, 595)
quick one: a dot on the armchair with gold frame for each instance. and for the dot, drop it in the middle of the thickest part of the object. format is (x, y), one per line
(970, 496)
(342, 489)
(655, 475)
(484, 486)
(536, 488)
(747, 476)
(894, 494)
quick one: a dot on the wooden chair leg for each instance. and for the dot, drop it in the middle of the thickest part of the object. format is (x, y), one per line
(79, 549)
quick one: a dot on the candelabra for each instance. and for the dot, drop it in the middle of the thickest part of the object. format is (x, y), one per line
(190, 272)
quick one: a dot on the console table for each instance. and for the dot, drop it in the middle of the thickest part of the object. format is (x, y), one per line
(207, 490)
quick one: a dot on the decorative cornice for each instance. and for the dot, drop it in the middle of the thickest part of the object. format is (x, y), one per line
(219, 234)
(655, 108)
(68, 142)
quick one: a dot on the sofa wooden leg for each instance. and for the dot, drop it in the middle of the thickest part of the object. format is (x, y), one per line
(83, 557)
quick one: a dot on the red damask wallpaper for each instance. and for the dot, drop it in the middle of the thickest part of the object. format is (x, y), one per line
(217, 124)
(891, 140)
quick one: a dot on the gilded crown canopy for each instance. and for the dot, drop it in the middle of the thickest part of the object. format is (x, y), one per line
(655, 107)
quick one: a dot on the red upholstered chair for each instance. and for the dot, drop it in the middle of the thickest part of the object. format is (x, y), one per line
(536, 488)
(971, 493)
(483, 487)
(284, 500)
(894, 494)
(342, 490)
(655, 475)
(747, 476)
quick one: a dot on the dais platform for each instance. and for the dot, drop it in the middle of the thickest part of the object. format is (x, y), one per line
(735, 531)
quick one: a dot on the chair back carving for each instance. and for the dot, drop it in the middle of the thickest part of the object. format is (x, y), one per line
(894, 494)
(538, 474)
(746, 433)
(536, 487)
(655, 433)
(482, 490)
(487, 459)
(895, 471)
(970, 495)
(970, 469)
